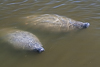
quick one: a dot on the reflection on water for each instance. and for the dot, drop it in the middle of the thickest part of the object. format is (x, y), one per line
(74, 49)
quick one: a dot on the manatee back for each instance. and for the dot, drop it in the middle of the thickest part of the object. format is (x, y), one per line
(22, 39)
(49, 22)
(52, 22)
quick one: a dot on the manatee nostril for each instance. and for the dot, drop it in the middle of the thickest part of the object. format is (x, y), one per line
(86, 25)
(40, 50)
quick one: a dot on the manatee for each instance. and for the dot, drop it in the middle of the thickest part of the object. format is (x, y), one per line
(54, 23)
(23, 40)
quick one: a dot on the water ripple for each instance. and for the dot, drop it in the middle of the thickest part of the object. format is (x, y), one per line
(17, 2)
(52, 2)
(58, 6)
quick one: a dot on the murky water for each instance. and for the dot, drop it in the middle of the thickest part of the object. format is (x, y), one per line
(77, 49)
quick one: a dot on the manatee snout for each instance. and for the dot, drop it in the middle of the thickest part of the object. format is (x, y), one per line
(39, 50)
(86, 25)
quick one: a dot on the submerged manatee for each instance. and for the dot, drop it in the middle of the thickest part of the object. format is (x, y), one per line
(22, 40)
(54, 23)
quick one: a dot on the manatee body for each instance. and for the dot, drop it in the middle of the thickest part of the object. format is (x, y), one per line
(54, 23)
(22, 40)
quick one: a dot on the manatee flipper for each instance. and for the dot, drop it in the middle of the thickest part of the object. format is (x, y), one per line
(22, 40)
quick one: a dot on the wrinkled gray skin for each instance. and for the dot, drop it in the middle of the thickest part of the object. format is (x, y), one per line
(54, 23)
(22, 40)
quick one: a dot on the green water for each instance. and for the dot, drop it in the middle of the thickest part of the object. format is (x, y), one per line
(74, 49)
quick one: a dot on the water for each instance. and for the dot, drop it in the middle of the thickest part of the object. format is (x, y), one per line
(78, 49)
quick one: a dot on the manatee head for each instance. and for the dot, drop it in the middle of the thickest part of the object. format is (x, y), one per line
(81, 25)
(86, 25)
(38, 48)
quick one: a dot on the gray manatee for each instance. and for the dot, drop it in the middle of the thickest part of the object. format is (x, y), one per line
(22, 40)
(54, 23)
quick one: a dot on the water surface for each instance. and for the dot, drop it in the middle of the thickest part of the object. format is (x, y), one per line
(77, 49)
